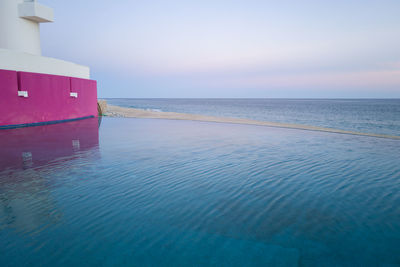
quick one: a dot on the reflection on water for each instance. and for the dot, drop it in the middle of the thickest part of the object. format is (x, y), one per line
(26, 204)
(36, 146)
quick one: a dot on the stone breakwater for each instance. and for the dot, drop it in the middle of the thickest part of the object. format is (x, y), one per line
(116, 111)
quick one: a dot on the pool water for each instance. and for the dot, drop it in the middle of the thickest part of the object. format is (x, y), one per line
(142, 192)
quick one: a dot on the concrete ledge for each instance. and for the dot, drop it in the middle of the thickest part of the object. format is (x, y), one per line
(19, 61)
(16, 126)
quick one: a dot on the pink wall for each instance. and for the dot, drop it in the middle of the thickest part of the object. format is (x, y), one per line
(48, 98)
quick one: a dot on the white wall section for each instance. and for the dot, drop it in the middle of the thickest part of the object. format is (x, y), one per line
(20, 40)
(35, 12)
(18, 61)
(22, 33)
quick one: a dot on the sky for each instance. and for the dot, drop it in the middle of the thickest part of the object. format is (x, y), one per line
(233, 49)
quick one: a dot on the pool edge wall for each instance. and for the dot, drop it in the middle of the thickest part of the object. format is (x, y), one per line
(50, 98)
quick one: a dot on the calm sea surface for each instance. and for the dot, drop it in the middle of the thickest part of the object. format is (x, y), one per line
(379, 116)
(142, 192)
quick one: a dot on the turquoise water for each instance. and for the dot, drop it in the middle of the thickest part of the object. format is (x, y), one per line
(139, 192)
(378, 116)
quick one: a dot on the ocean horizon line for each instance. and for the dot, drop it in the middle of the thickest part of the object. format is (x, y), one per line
(118, 111)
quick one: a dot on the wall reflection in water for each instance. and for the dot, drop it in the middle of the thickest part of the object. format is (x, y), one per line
(29, 160)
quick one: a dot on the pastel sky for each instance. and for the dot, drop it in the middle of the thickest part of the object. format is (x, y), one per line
(236, 48)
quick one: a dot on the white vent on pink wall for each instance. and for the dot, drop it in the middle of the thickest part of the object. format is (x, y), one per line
(23, 93)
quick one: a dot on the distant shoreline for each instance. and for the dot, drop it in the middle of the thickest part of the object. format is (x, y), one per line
(117, 111)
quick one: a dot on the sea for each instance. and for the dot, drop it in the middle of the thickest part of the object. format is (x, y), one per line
(152, 192)
(376, 116)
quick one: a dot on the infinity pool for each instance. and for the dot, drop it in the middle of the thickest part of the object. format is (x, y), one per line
(140, 192)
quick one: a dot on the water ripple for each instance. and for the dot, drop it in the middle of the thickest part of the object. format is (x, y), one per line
(233, 195)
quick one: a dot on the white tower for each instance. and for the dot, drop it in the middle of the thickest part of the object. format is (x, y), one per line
(19, 25)
(20, 41)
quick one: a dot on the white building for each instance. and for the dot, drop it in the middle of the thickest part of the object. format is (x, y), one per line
(20, 40)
